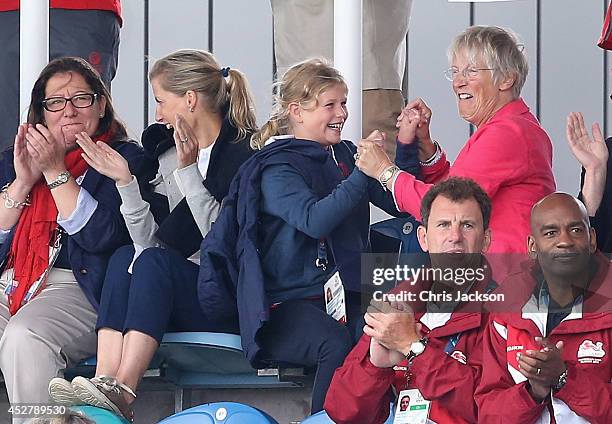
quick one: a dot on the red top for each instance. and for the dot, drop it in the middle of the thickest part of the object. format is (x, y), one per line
(446, 373)
(511, 158)
(111, 5)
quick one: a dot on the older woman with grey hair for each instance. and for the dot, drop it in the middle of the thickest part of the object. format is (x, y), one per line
(509, 154)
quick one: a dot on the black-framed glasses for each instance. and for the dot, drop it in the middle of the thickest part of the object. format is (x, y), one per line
(80, 101)
(469, 72)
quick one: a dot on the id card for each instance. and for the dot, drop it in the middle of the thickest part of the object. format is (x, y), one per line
(335, 304)
(412, 408)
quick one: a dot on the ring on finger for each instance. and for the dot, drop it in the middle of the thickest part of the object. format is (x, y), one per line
(185, 140)
(539, 370)
(356, 156)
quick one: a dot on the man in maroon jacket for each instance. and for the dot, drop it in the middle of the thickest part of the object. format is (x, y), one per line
(83, 28)
(549, 355)
(432, 355)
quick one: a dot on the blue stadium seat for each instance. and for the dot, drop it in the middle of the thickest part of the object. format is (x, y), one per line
(215, 361)
(323, 418)
(99, 415)
(403, 230)
(220, 413)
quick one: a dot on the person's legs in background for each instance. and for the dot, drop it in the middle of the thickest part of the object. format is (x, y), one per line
(385, 27)
(90, 34)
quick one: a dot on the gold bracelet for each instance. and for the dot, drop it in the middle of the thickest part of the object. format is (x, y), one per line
(10, 203)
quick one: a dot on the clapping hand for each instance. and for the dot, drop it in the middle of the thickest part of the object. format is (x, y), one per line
(542, 367)
(393, 329)
(27, 172)
(46, 152)
(104, 159)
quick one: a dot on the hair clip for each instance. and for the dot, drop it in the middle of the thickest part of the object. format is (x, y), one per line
(225, 72)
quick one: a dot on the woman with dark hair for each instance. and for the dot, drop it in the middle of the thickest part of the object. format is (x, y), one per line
(59, 224)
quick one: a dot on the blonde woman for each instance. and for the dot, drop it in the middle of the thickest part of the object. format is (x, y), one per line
(186, 177)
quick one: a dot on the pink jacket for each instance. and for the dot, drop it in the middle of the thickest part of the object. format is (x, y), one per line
(511, 158)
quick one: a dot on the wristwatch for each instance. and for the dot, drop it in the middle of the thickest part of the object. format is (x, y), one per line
(561, 382)
(387, 175)
(62, 178)
(416, 348)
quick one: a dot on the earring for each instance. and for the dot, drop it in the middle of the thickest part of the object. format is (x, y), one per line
(191, 109)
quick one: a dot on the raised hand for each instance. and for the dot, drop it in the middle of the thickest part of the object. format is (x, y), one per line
(26, 171)
(426, 145)
(407, 123)
(104, 159)
(187, 145)
(46, 152)
(591, 152)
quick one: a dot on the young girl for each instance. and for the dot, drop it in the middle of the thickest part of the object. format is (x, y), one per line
(187, 175)
(310, 220)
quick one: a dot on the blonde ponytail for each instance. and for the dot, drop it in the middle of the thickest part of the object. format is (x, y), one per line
(267, 130)
(197, 70)
(241, 111)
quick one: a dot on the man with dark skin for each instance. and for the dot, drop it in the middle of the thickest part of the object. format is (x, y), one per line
(550, 356)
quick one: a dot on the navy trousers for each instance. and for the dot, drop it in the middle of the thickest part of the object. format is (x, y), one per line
(159, 296)
(300, 332)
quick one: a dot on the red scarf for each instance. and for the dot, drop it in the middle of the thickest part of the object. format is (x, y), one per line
(37, 225)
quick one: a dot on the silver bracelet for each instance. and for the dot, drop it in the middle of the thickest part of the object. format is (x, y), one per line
(435, 157)
(10, 203)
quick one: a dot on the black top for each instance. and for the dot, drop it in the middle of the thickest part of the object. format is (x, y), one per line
(178, 229)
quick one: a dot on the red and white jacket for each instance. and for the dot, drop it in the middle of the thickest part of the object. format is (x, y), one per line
(446, 373)
(586, 332)
(110, 5)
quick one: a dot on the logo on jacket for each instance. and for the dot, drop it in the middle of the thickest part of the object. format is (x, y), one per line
(459, 356)
(590, 353)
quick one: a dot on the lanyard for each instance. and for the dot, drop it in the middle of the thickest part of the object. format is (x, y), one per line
(321, 261)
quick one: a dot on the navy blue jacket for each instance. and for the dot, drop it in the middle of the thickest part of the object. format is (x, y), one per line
(90, 248)
(178, 229)
(234, 259)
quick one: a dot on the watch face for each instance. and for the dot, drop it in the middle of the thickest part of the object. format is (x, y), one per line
(417, 347)
(63, 178)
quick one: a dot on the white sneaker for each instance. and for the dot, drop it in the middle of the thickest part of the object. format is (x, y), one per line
(62, 392)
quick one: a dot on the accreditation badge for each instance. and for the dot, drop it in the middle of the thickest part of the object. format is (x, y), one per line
(411, 408)
(335, 303)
